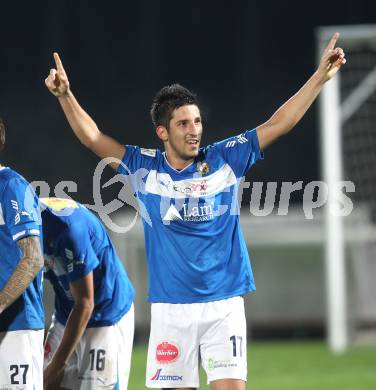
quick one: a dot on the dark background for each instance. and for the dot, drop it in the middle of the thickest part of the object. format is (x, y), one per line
(242, 58)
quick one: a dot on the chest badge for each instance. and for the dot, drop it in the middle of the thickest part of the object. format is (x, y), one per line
(203, 167)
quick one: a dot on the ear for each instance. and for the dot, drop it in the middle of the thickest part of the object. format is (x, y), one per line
(162, 133)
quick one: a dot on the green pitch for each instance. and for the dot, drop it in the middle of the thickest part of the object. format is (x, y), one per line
(292, 366)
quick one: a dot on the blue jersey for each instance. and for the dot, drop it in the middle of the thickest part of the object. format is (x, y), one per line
(194, 245)
(75, 244)
(19, 218)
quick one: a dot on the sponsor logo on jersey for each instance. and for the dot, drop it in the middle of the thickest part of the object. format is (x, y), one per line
(158, 376)
(189, 188)
(167, 352)
(239, 139)
(184, 186)
(197, 186)
(199, 213)
(203, 167)
(172, 214)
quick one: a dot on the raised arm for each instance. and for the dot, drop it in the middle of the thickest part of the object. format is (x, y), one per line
(30, 264)
(290, 113)
(83, 294)
(81, 123)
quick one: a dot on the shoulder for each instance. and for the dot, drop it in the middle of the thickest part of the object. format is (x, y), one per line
(9, 176)
(77, 226)
(13, 184)
(152, 153)
(209, 159)
(145, 152)
(73, 238)
(137, 157)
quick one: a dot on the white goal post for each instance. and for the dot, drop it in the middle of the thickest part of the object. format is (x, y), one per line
(341, 99)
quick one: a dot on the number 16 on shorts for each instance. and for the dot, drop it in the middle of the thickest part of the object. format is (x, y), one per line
(97, 359)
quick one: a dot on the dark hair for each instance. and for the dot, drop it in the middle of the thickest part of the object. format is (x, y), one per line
(2, 135)
(168, 99)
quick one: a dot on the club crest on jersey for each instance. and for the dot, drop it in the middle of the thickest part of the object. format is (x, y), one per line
(203, 167)
(166, 352)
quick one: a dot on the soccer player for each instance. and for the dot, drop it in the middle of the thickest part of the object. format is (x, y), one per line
(198, 263)
(21, 301)
(89, 343)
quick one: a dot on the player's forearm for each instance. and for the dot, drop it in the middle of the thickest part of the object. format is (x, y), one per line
(290, 113)
(74, 329)
(81, 123)
(87, 131)
(28, 267)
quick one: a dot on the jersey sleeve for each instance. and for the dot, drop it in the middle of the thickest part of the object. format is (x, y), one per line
(79, 253)
(20, 209)
(241, 151)
(136, 158)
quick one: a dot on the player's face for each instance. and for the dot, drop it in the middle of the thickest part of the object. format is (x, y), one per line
(184, 133)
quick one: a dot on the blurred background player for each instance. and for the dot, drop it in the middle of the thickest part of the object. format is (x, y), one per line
(198, 262)
(21, 300)
(89, 343)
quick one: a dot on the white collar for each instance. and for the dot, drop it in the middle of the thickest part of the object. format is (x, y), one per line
(176, 170)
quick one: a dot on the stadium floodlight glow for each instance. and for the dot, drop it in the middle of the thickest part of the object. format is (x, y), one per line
(335, 112)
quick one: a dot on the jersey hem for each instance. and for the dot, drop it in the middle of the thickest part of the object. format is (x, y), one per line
(99, 324)
(22, 328)
(204, 299)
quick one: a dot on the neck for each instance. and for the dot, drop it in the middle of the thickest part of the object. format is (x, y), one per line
(177, 162)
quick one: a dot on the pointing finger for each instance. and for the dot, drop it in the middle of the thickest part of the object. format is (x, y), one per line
(332, 42)
(59, 64)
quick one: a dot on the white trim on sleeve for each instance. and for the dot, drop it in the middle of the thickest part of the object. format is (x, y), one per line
(32, 232)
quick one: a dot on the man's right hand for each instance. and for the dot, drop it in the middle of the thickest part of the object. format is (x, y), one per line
(57, 81)
(80, 121)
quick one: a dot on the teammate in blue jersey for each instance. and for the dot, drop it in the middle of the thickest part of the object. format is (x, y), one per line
(199, 267)
(89, 343)
(21, 301)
